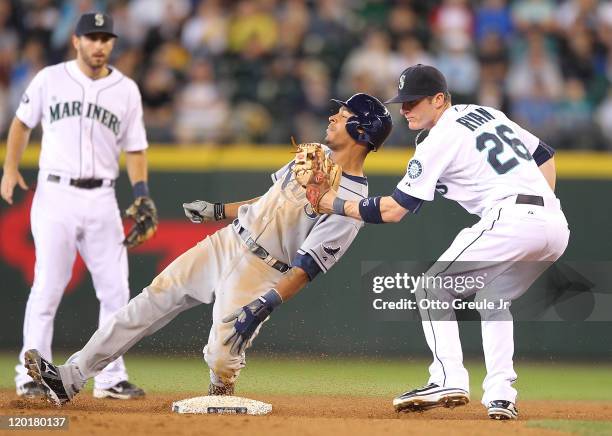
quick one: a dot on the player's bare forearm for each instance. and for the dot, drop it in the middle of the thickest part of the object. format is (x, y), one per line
(292, 282)
(231, 209)
(136, 164)
(390, 210)
(18, 137)
(549, 171)
(351, 208)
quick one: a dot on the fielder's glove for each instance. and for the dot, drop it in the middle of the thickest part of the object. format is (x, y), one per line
(247, 320)
(316, 172)
(199, 211)
(144, 214)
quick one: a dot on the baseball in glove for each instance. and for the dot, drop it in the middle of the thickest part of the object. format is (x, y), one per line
(144, 214)
(316, 172)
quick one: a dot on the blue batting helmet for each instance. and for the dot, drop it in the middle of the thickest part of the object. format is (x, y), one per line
(371, 122)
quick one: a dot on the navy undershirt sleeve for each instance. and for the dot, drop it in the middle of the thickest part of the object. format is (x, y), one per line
(543, 153)
(308, 264)
(409, 202)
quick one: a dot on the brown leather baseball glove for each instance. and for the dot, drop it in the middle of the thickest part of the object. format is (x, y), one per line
(316, 172)
(144, 214)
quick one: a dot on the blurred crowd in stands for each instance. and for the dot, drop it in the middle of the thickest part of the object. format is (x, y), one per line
(217, 72)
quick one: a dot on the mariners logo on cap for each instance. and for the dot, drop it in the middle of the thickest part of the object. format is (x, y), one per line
(415, 168)
(99, 20)
(401, 81)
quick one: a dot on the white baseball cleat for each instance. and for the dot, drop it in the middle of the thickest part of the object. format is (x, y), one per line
(430, 396)
(502, 409)
(124, 390)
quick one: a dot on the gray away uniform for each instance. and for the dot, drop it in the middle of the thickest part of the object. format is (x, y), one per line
(222, 268)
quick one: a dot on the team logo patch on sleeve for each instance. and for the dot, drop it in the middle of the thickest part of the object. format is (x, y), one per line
(25, 99)
(415, 168)
(331, 251)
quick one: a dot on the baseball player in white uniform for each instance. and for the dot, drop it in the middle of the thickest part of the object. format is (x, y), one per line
(90, 112)
(274, 246)
(478, 157)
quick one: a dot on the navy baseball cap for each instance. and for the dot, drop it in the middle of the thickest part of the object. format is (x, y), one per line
(419, 81)
(94, 22)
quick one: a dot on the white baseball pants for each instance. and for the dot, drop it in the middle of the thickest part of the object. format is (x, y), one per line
(515, 243)
(65, 219)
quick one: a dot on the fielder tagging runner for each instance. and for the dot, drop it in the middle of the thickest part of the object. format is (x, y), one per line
(478, 157)
(89, 112)
(275, 245)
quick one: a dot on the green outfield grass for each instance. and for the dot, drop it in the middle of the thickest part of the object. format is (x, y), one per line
(350, 376)
(582, 428)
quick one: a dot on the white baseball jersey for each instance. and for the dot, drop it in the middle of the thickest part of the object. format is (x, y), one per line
(283, 222)
(476, 156)
(86, 123)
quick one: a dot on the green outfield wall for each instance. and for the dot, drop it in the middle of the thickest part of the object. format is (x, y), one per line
(327, 317)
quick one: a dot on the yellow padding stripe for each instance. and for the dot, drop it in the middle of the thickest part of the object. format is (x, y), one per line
(570, 164)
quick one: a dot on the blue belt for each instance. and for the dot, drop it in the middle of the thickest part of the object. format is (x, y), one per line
(257, 249)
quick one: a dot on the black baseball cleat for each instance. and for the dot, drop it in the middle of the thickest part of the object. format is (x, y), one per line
(213, 389)
(502, 409)
(124, 390)
(31, 390)
(47, 376)
(429, 397)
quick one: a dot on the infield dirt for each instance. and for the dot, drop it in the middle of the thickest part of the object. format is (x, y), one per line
(309, 415)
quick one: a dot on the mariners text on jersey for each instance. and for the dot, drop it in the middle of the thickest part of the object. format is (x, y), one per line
(86, 123)
(94, 112)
